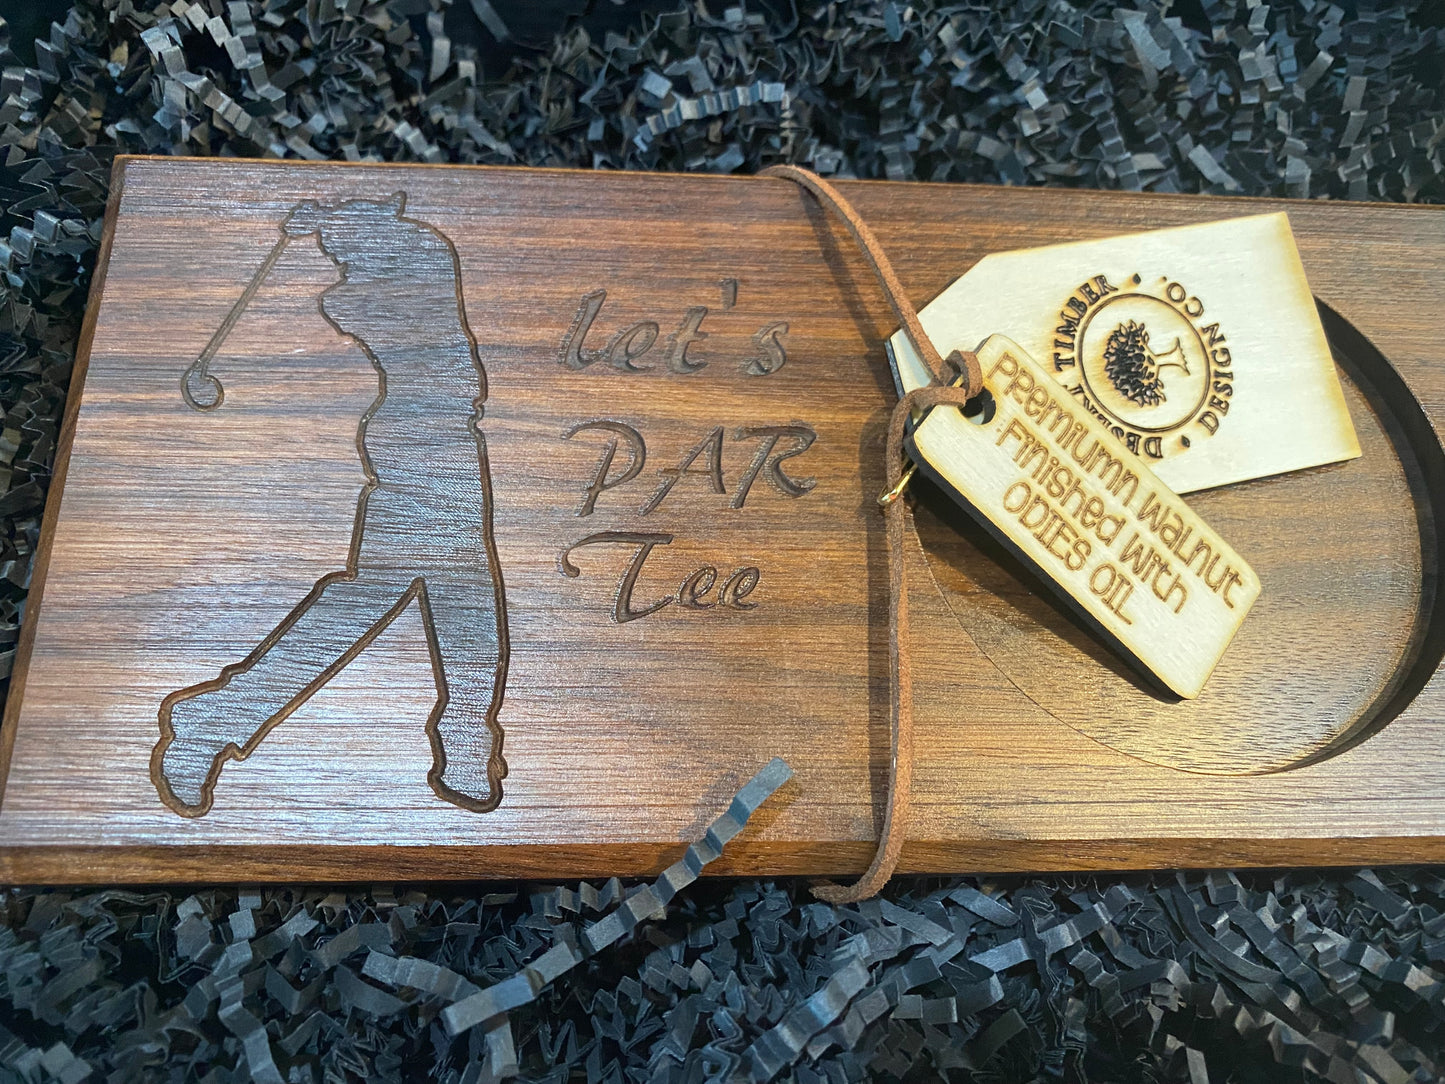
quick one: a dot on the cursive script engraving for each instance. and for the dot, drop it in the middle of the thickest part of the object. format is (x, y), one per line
(770, 356)
(691, 592)
(688, 332)
(630, 344)
(766, 461)
(701, 466)
(711, 447)
(601, 481)
(769, 462)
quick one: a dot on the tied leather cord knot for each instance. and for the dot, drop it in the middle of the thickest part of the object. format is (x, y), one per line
(955, 380)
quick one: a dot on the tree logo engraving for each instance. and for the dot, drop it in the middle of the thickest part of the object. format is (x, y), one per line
(1148, 358)
(1134, 369)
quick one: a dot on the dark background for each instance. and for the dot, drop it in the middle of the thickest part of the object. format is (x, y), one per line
(1190, 976)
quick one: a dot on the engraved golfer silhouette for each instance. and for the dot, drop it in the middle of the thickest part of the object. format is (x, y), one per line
(423, 522)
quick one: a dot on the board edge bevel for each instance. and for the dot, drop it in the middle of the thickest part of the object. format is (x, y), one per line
(67, 864)
(16, 693)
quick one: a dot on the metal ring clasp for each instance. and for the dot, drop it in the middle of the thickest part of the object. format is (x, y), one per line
(890, 496)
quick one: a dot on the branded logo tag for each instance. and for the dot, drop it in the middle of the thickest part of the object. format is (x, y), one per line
(1046, 475)
(1198, 347)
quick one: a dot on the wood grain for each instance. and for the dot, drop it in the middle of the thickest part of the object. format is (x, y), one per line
(182, 537)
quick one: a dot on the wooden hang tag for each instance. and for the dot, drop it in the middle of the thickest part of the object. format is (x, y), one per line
(1060, 490)
(1199, 346)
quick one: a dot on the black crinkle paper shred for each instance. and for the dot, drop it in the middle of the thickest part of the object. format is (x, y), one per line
(1198, 978)
(1213, 977)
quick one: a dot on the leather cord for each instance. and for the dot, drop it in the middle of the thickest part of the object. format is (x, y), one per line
(955, 380)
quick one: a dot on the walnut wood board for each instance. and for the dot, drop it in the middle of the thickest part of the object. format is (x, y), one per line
(180, 541)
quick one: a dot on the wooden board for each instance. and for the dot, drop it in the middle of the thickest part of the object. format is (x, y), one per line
(179, 541)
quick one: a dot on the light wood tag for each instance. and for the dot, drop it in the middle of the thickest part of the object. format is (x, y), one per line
(1199, 346)
(1048, 479)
